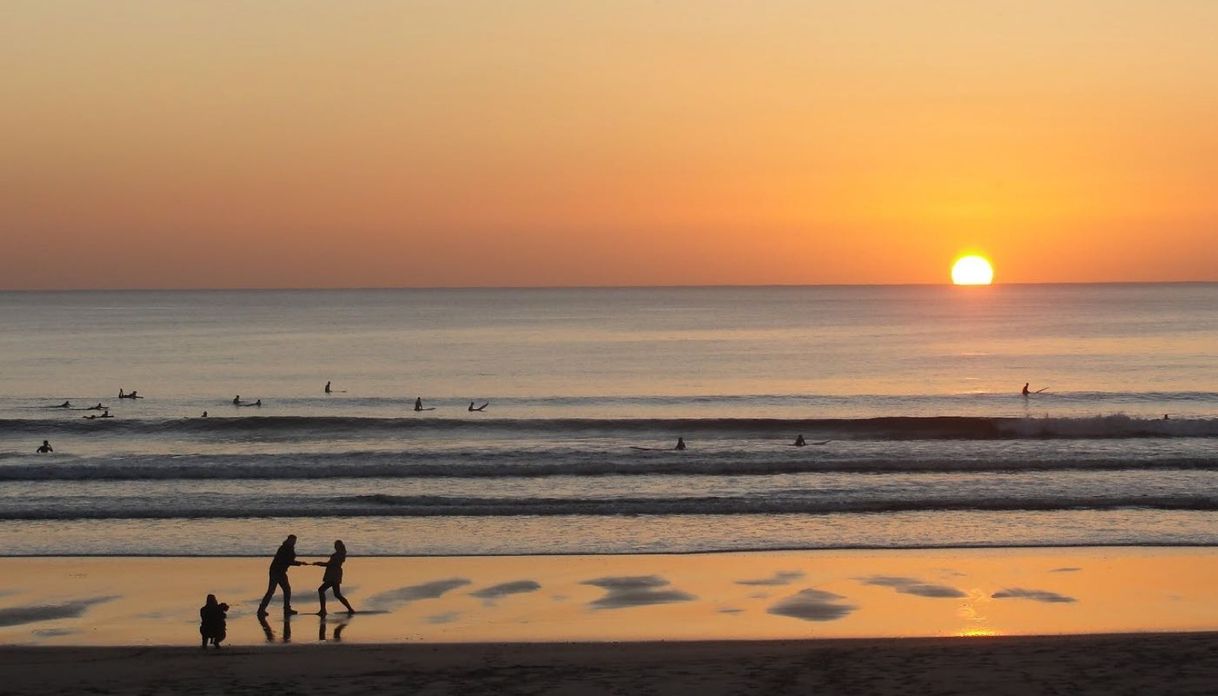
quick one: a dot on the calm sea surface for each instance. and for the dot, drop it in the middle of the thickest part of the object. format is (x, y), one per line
(909, 398)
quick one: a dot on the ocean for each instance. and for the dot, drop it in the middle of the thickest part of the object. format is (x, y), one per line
(909, 398)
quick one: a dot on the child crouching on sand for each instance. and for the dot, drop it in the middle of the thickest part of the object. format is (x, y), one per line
(212, 621)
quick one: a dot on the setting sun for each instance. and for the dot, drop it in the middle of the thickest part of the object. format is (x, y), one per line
(972, 270)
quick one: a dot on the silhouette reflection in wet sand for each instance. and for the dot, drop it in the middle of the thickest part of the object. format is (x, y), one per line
(404, 595)
(913, 586)
(338, 631)
(270, 632)
(636, 591)
(1034, 595)
(813, 605)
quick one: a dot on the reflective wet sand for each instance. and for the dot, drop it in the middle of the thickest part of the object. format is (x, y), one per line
(787, 595)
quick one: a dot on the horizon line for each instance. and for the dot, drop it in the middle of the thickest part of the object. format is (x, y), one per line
(692, 286)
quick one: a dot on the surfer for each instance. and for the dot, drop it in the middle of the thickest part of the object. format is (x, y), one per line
(237, 400)
(799, 441)
(327, 387)
(66, 404)
(1025, 389)
(680, 444)
(480, 408)
(45, 448)
(98, 407)
(204, 415)
(106, 414)
(418, 405)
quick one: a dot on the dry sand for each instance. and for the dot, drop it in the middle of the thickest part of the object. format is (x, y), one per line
(1097, 664)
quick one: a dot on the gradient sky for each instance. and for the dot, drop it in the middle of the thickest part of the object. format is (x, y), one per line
(334, 144)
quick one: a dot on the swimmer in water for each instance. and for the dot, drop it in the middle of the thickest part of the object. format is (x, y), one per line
(98, 407)
(204, 415)
(237, 400)
(480, 408)
(66, 404)
(799, 441)
(45, 448)
(106, 414)
(680, 444)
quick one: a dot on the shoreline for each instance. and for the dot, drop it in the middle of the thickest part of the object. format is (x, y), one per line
(1181, 663)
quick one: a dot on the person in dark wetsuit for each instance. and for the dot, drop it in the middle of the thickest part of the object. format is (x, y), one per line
(1025, 389)
(106, 414)
(333, 577)
(418, 403)
(284, 558)
(45, 448)
(237, 400)
(680, 444)
(66, 404)
(327, 387)
(799, 441)
(212, 622)
(480, 408)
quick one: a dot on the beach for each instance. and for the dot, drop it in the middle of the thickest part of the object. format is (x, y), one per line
(1095, 664)
(1068, 620)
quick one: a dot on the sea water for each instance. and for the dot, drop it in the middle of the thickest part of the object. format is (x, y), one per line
(909, 397)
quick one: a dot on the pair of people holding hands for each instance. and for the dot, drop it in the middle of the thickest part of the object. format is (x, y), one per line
(285, 558)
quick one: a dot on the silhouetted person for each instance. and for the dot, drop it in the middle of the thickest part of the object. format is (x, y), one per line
(1025, 389)
(480, 408)
(284, 558)
(799, 441)
(106, 414)
(212, 622)
(327, 387)
(66, 404)
(98, 407)
(91, 416)
(45, 448)
(680, 444)
(258, 402)
(204, 415)
(237, 400)
(121, 395)
(333, 577)
(418, 403)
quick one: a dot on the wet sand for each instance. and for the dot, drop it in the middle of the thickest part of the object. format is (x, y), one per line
(1099, 664)
(106, 601)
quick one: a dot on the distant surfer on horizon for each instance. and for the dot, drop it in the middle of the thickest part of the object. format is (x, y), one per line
(45, 448)
(799, 441)
(680, 444)
(1025, 388)
(204, 415)
(418, 405)
(98, 407)
(66, 404)
(327, 387)
(480, 408)
(237, 400)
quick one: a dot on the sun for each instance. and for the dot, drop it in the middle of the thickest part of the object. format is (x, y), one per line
(972, 270)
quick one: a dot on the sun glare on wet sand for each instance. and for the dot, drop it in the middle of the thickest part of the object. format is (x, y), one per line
(972, 270)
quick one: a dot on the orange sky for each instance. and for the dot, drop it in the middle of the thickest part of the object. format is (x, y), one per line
(323, 144)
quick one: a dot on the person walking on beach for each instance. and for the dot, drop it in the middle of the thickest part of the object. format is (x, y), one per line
(333, 577)
(284, 558)
(212, 623)
(45, 448)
